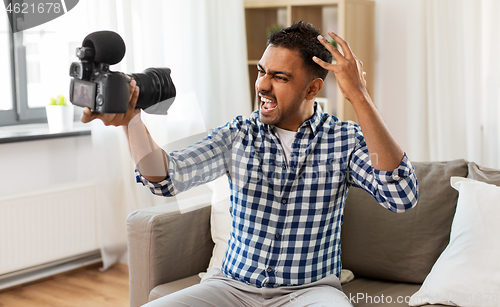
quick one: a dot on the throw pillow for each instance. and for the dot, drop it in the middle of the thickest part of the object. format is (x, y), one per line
(466, 273)
(220, 220)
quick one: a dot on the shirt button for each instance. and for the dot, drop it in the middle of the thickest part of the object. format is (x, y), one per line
(277, 236)
(269, 270)
(283, 201)
(283, 167)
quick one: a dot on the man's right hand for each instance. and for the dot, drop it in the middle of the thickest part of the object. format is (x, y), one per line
(112, 119)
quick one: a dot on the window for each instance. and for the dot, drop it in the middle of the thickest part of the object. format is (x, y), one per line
(38, 61)
(6, 103)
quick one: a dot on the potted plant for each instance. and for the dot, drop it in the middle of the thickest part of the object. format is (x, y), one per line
(59, 114)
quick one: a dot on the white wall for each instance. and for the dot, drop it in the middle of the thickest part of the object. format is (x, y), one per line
(37, 165)
(47, 203)
(391, 78)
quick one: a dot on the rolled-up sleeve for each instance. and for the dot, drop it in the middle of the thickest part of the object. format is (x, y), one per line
(395, 190)
(200, 163)
(162, 188)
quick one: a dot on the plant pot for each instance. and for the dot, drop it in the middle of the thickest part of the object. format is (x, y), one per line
(60, 118)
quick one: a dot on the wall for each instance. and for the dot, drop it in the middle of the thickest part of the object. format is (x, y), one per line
(37, 165)
(391, 77)
(47, 203)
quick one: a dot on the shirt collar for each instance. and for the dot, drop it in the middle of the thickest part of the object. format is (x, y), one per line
(313, 122)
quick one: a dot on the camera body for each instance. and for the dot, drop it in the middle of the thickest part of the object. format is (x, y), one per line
(96, 87)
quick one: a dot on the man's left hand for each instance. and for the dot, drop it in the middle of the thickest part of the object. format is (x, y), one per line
(348, 69)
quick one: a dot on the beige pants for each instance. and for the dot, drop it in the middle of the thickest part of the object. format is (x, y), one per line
(216, 290)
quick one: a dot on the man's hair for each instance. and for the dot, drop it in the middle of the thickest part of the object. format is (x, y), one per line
(303, 37)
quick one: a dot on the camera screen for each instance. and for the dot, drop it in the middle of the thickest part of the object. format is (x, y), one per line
(83, 93)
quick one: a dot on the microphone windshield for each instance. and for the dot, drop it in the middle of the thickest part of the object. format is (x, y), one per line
(109, 46)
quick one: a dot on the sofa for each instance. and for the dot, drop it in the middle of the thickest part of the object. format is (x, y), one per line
(391, 255)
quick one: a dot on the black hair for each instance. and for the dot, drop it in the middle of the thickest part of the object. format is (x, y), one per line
(303, 37)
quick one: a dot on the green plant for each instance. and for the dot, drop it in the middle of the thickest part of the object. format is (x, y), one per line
(60, 100)
(272, 29)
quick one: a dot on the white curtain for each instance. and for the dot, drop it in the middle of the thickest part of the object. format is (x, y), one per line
(203, 43)
(454, 80)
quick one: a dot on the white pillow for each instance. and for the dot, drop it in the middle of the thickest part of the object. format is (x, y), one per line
(220, 220)
(467, 273)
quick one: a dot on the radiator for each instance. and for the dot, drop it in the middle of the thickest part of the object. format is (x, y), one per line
(46, 226)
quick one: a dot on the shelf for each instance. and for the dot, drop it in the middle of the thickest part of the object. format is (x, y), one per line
(36, 132)
(351, 19)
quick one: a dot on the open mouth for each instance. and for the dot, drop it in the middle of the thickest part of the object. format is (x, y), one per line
(267, 105)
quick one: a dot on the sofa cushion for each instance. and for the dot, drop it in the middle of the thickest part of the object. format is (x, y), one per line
(401, 247)
(174, 286)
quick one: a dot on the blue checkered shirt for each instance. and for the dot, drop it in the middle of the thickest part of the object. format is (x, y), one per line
(286, 216)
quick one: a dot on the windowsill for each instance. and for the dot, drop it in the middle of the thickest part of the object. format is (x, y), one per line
(35, 132)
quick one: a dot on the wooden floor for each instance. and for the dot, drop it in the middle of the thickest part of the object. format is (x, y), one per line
(84, 287)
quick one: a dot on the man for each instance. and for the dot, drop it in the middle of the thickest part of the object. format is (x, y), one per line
(289, 167)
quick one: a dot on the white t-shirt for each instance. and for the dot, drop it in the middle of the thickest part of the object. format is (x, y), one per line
(286, 139)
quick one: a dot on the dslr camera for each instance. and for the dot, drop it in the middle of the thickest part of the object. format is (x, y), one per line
(94, 86)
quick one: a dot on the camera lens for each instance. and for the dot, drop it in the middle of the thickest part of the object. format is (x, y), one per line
(155, 85)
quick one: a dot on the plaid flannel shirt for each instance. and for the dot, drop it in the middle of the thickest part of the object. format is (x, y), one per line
(286, 217)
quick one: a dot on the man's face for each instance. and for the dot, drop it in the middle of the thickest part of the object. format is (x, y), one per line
(281, 89)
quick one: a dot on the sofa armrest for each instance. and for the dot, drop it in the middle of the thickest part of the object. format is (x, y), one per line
(165, 245)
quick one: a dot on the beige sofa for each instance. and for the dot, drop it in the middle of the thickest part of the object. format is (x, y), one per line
(390, 254)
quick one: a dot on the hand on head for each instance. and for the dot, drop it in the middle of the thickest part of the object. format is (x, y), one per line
(348, 69)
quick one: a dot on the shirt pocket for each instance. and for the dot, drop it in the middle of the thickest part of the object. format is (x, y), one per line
(247, 176)
(318, 187)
